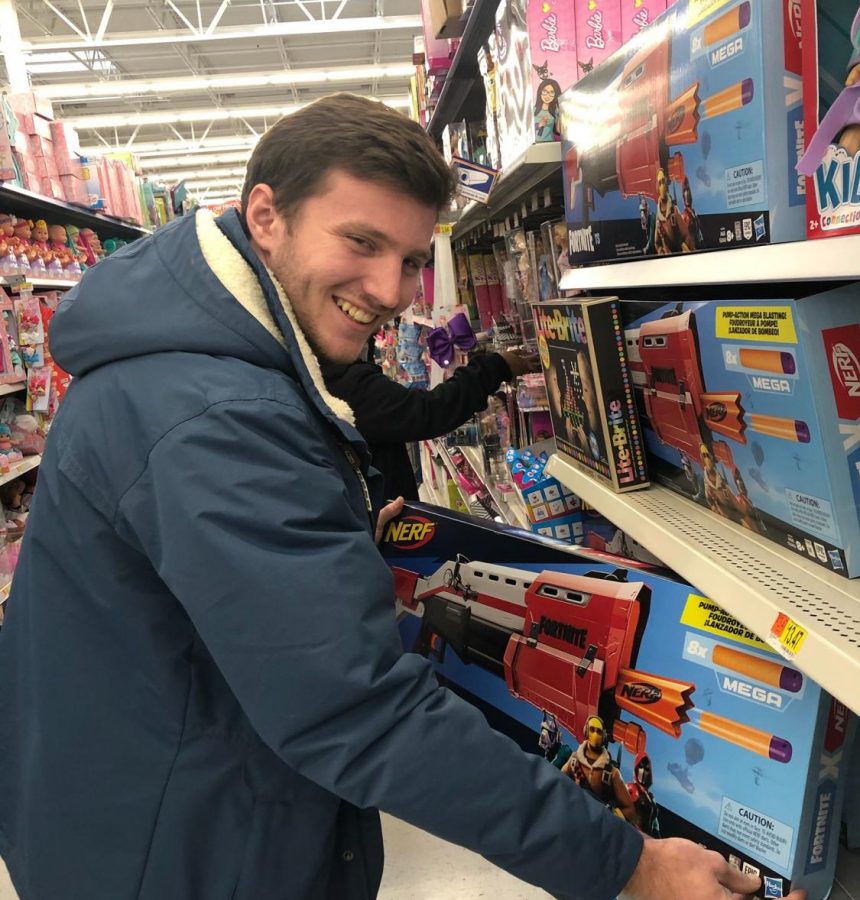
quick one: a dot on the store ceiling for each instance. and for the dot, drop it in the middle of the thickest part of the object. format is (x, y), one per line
(181, 79)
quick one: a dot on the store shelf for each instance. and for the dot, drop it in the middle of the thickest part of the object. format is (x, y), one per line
(828, 259)
(4, 592)
(25, 203)
(509, 503)
(463, 87)
(12, 388)
(753, 579)
(39, 284)
(16, 471)
(535, 166)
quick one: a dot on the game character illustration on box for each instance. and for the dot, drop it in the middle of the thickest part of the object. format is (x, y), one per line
(547, 126)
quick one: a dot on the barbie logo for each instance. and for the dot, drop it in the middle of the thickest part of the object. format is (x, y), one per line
(550, 26)
(640, 20)
(595, 39)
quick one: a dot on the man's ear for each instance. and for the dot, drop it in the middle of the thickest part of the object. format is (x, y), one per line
(263, 220)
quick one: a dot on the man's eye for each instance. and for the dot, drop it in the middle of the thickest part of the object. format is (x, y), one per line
(360, 242)
(413, 265)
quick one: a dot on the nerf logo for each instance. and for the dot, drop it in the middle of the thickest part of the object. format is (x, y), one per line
(727, 51)
(642, 693)
(411, 532)
(837, 726)
(715, 411)
(794, 19)
(842, 346)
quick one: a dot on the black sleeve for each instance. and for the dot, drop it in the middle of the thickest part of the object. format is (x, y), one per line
(387, 411)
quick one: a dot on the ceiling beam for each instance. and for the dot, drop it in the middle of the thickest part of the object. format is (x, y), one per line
(232, 33)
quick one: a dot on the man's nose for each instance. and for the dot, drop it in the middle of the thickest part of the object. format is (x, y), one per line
(383, 282)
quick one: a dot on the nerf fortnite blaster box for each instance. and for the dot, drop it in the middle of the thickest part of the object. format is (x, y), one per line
(647, 694)
(687, 137)
(752, 408)
(590, 396)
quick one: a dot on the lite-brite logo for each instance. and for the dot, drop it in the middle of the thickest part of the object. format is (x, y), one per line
(560, 323)
(842, 346)
(642, 693)
(410, 532)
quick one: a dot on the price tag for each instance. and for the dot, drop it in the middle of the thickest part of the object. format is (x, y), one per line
(444, 228)
(786, 636)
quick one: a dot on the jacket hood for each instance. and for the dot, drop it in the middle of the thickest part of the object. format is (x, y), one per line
(195, 286)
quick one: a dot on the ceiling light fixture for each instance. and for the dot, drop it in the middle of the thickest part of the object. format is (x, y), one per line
(202, 114)
(106, 89)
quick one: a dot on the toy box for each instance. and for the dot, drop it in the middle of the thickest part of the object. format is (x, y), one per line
(638, 14)
(589, 391)
(709, 734)
(536, 58)
(832, 197)
(686, 138)
(598, 31)
(750, 407)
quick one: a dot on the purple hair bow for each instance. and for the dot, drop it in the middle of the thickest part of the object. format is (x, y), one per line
(457, 335)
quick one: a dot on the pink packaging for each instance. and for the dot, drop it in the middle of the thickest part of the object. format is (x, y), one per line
(482, 292)
(74, 189)
(636, 14)
(437, 52)
(552, 44)
(494, 286)
(598, 31)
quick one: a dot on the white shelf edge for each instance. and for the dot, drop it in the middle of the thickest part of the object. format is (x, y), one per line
(39, 283)
(13, 388)
(511, 181)
(24, 465)
(4, 592)
(752, 578)
(825, 259)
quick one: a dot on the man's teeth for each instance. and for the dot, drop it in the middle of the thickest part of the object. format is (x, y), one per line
(354, 312)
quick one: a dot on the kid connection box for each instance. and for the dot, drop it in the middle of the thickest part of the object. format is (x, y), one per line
(752, 408)
(687, 137)
(589, 390)
(746, 755)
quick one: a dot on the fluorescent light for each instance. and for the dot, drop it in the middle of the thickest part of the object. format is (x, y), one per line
(173, 162)
(194, 174)
(165, 148)
(200, 114)
(78, 91)
(242, 32)
(215, 182)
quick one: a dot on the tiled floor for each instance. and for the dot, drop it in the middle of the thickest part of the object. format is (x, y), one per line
(421, 867)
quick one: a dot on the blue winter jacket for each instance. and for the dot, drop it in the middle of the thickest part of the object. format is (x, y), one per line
(203, 694)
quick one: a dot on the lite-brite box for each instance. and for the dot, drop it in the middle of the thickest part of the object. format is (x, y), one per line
(686, 138)
(752, 408)
(536, 57)
(832, 194)
(746, 755)
(589, 390)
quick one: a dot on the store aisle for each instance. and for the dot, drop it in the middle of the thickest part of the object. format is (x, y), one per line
(419, 866)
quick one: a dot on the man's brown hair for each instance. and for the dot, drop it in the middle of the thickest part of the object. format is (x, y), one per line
(362, 137)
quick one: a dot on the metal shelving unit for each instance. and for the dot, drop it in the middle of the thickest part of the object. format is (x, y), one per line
(510, 504)
(763, 585)
(25, 203)
(538, 164)
(463, 90)
(39, 284)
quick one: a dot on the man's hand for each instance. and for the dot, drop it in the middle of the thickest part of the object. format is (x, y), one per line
(675, 869)
(386, 514)
(521, 362)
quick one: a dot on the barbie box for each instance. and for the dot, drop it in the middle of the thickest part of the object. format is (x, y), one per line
(589, 390)
(631, 683)
(687, 137)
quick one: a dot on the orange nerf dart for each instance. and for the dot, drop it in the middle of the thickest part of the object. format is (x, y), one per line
(766, 671)
(779, 361)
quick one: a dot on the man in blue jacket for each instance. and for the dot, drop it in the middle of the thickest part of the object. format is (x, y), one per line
(203, 693)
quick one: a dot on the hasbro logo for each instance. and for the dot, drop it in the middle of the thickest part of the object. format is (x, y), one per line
(773, 887)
